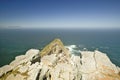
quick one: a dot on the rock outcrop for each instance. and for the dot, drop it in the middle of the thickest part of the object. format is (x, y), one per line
(55, 62)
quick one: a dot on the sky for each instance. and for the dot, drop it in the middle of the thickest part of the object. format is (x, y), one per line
(60, 14)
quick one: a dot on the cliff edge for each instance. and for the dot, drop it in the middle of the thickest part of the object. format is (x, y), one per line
(55, 62)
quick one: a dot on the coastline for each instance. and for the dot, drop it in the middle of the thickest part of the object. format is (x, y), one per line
(33, 66)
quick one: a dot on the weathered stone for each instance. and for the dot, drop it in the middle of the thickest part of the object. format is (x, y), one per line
(5, 69)
(104, 64)
(24, 58)
(43, 72)
(88, 62)
(63, 71)
(15, 77)
(49, 59)
(103, 68)
(34, 71)
(76, 64)
(56, 46)
(23, 69)
(56, 63)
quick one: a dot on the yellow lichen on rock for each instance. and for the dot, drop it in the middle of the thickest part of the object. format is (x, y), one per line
(56, 46)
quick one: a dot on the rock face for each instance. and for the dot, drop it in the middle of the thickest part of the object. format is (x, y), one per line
(55, 62)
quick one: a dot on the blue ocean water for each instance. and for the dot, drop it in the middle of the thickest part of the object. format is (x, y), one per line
(15, 42)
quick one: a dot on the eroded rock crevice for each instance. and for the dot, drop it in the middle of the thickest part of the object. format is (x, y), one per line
(95, 60)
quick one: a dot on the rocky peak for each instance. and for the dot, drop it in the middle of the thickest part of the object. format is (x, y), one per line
(55, 62)
(55, 47)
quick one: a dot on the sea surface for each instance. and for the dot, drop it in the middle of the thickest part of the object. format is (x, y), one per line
(14, 42)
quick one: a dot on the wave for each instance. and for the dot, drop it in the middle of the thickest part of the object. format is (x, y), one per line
(74, 49)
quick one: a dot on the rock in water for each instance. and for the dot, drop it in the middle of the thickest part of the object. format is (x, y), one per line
(55, 62)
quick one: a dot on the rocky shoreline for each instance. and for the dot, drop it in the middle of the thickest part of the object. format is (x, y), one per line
(55, 62)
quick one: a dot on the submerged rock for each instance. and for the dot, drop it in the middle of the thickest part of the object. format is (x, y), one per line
(55, 62)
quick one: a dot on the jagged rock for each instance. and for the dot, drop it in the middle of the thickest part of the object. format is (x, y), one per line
(118, 68)
(55, 62)
(43, 72)
(88, 62)
(15, 77)
(55, 47)
(49, 59)
(103, 68)
(5, 69)
(62, 71)
(34, 71)
(23, 69)
(104, 63)
(75, 61)
(30, 54)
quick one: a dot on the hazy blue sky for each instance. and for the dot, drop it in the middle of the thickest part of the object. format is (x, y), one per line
(60, 13)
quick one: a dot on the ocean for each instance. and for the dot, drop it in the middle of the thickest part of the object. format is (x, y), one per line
(14, 42)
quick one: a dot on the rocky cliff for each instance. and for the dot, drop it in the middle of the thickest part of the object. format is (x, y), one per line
(55, 62)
